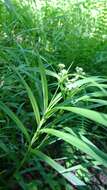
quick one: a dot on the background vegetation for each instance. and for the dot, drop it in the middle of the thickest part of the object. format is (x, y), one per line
(53, 118)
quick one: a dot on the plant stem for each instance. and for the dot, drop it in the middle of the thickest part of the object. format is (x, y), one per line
(35, 136)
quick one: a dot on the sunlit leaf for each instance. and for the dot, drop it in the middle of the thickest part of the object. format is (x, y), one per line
(90, 114)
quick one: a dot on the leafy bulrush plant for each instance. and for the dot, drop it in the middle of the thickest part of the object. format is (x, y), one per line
(75, 96)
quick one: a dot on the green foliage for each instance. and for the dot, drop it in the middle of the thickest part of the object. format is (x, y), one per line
(53, 110)
(52, 119)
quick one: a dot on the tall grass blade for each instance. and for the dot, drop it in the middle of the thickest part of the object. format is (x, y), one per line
(44, 83)
(99, 101)
(69, 176)
(86, 147)
(32, 99)
(90, 114)
(19, 124)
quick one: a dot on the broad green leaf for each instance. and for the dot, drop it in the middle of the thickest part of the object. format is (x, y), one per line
(84, 146)
(32, 99)
(69, 176)
(44, 83)
(90, 114)
(19, 124)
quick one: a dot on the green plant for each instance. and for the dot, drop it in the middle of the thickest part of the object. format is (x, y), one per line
(34, 140)
(62, 31)
(67, 103)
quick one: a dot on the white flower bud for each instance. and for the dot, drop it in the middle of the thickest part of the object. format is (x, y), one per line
(71, 86)
(61, 66)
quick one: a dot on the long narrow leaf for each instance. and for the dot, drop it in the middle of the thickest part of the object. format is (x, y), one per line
(99, 101)
(86, 147)
(44, 83)
(69, 176)
(32, 99)
(19, 124)
(90, 114)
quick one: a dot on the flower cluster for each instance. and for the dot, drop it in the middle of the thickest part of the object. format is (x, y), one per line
(67, 83)
(80, 71)
(63, 74)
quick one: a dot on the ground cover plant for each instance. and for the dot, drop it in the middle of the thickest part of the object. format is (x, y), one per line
(53, 98)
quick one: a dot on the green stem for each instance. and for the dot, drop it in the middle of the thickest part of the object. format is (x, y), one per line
(35, 136)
